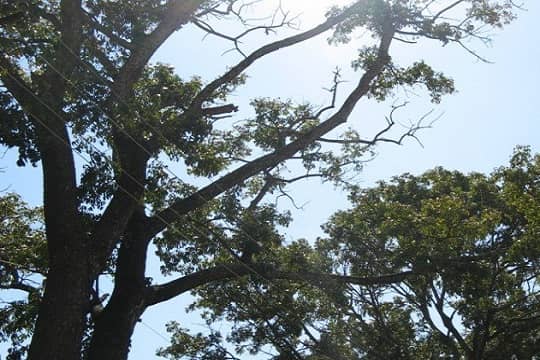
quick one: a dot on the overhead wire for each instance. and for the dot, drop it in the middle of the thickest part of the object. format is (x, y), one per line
(160, 133)
(228, 268)
(168, 224)
(155, 331)
(250, 268)
(93, 71)
(135, 141)
(144, 149)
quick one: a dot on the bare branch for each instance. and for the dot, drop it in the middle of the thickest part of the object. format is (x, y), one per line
(183, 206)
(446, 9)
(236, 70)
(236, 39)
(411, 131)
(219, 110)
(164, 292)
(284, 193)
(473, 53)
(333, 91)
(267, 187)
(447, 321)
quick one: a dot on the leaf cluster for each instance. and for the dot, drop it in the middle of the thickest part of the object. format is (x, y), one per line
(23, 262)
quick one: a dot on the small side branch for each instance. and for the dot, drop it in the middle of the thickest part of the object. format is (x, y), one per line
(265, 50)
(411, 131)
(333, 90)
(274, 24)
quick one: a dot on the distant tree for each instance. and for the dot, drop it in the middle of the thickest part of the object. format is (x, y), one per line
(76, 83)
(472, 241)
(480, 236)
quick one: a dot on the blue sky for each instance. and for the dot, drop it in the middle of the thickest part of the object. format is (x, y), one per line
(495, 109)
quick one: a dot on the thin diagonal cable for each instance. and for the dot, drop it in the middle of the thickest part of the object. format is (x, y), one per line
(230, 270)
(129, 175)
(42, 123)
(170, 171)
(155, 331)
(251, 269)
(151, 127)
(218, 238)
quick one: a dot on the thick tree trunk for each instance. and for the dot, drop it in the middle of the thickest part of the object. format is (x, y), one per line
(60, 324)
(114, 327)
(61, 320)
(111, 339)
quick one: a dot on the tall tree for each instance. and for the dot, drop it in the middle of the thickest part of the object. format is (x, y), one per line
(479, 236)
(76, 82)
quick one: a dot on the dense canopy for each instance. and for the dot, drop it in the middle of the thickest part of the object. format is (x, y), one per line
(81, 98)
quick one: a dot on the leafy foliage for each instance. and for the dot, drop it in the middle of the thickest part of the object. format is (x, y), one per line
(472, 235)
(471, 239)
(23, 261)
(77, 80)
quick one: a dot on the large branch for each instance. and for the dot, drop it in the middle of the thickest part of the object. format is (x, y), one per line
(167, 291)
(178, 13)
(236, 70)
(53, 138)
(448, 323)
(130, 179)
(60, 198)
(185, 205)
(445, 338)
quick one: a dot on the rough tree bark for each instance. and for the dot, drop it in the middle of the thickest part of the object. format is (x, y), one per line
(115, 325)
